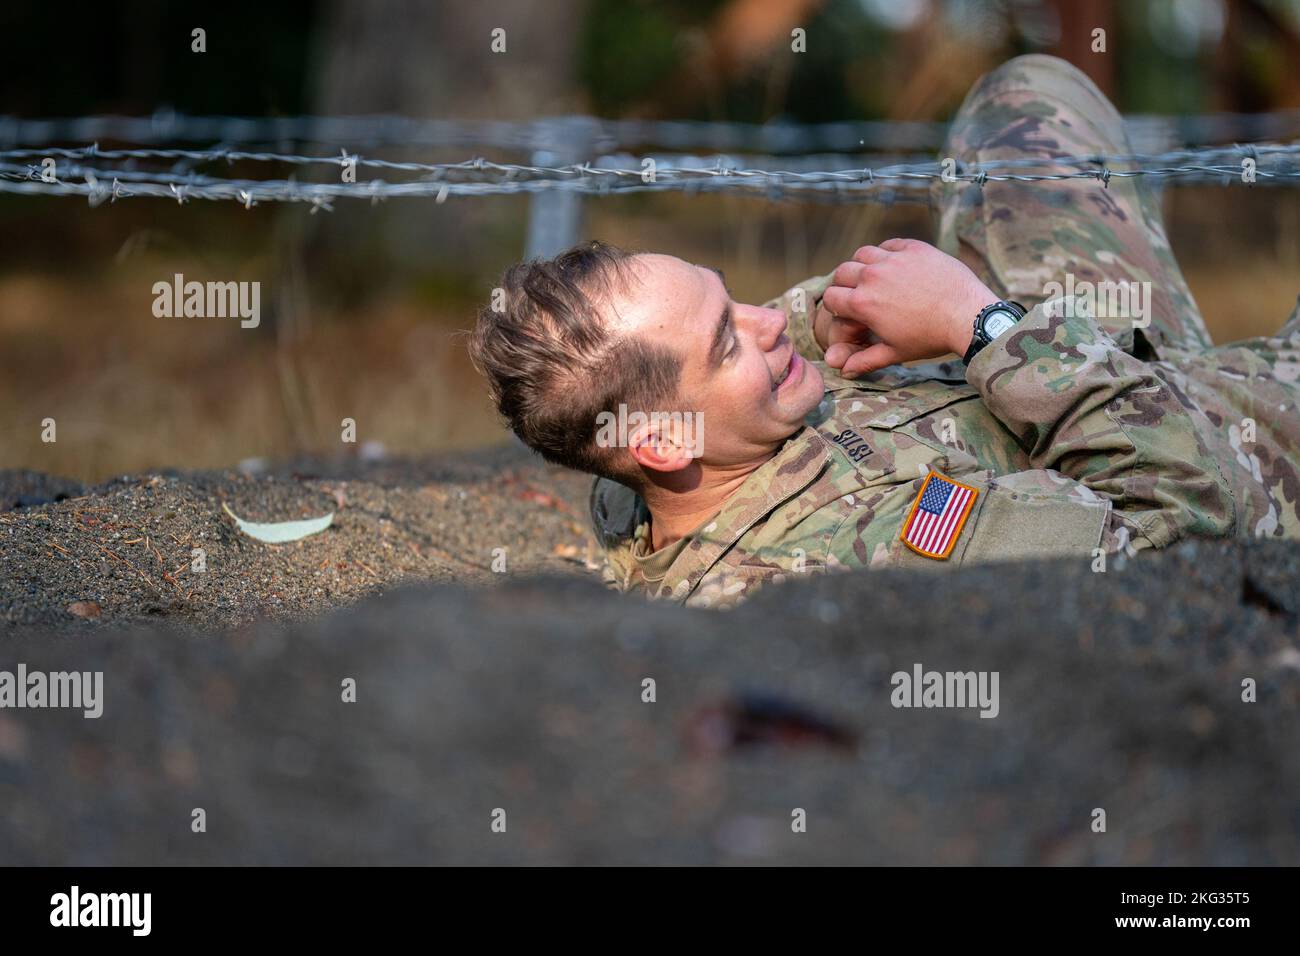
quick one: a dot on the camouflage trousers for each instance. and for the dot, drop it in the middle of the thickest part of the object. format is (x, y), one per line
(1021, 238)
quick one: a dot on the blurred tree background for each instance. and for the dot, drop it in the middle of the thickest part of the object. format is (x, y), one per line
(362, 306)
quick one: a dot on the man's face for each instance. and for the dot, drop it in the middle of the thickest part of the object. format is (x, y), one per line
(739, 368)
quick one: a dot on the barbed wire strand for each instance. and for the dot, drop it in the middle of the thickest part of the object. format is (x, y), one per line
(608, 175)
(253, 192)
(480, 164)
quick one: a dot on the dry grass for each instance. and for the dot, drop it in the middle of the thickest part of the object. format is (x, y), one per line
(131, 392)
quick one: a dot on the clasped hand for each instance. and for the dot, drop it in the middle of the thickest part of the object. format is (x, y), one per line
(900, 301)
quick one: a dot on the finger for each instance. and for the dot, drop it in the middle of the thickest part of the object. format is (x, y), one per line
(870, 359)
(836, 299)
(848, 274)
(838, 353)
(897, 245)
(869, 254)
(854, 331)
(846, 330)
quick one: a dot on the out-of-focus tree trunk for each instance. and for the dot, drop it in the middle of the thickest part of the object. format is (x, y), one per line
(435, 60)
(422, 60)
(1078, 19)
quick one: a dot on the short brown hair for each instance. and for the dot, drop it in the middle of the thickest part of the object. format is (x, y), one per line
(553, 365)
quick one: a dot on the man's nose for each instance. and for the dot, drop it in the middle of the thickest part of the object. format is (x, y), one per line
(768, 325)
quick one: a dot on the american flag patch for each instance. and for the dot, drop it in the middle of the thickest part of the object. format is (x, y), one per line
(937, 515)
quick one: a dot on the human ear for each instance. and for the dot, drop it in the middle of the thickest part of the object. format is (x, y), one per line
(661, 446)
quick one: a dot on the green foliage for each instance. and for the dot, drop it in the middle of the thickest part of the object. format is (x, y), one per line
(627, 48)
(629, 53)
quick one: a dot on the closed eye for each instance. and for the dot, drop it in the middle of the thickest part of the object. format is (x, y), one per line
(725, 327)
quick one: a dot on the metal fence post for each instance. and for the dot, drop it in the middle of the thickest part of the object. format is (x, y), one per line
(554, 216)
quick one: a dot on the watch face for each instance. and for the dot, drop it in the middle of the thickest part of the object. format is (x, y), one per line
(998, 322)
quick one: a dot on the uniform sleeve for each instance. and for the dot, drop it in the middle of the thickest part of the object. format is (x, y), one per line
(800, 303)
(1027, 515)
(1079, 405)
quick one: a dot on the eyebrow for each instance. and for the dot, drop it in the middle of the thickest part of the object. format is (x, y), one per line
(724, 322)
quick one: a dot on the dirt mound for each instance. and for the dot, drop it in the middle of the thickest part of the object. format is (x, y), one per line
(126, 551)
(526, 703)
(21, 488)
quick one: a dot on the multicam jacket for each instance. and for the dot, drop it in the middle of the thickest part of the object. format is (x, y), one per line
(1078, 443)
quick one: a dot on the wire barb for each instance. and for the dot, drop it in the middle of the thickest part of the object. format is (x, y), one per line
(818, 177)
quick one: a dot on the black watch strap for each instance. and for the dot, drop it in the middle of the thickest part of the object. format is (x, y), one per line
(979, 338)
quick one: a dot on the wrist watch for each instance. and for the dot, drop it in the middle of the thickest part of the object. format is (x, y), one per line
(992, 321)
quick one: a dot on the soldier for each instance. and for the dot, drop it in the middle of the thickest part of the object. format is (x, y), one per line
(1069, 427)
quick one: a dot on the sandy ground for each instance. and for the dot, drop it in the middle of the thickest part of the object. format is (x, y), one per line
(124, 551)
(1119, 691)
(223, 692)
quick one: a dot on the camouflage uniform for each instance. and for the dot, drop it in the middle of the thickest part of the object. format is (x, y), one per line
(1082, 434)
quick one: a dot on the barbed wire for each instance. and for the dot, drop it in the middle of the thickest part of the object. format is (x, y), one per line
(1148, 131)
(609, 174)
(321, 195)
(605, 164)
(622, 165)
